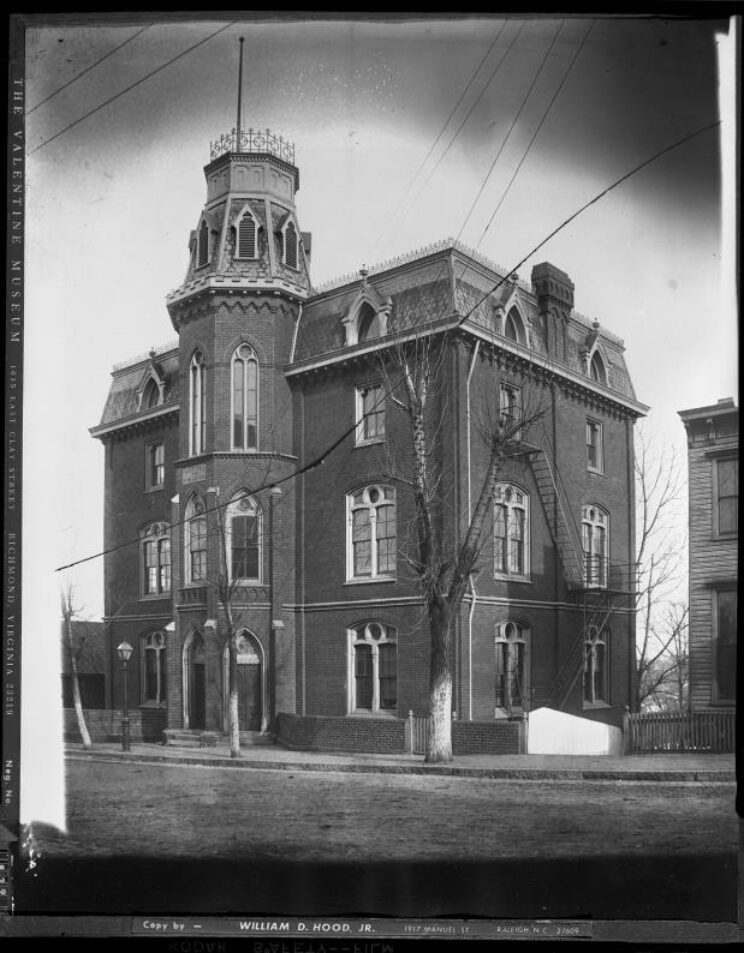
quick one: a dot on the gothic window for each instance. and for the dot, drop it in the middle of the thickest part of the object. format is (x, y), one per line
(511, 531)
(244, 539)
(197, 404)
(370, 413)
(595, 666)
(153, 669)
(290, 245)
(247, 235)
(594, 532)
(156, 560)
(373, 678)
(203, 245)
(511, 644)
(594, 449)
(597, 370)
(371, 540)
(155, 466)
(514, 327)
(245, 399)
(150, 395)
(195, 538)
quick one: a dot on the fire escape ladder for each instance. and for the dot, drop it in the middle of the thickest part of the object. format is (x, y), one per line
(558, 513)
(596, 616)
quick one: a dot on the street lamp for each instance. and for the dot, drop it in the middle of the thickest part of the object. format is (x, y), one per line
(274, 494)
(125, 653)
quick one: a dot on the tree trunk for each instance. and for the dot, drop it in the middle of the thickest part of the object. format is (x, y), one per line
(439, 742)
(76, 698)
(233, 722)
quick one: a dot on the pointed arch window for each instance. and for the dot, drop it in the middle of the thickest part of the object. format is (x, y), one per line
(156, 560)
(153, 669)
(514, 327)
(595, 665)
(597, 370)
(246, 245)
(373, 677)
(150, 395)
(244, 539)
(595, 524)
(511, 667)
(370, 325)
(245, 399)
(511, 531)
(371, 539)
(290, 245)
(195, 541)
(203, 245)
(197, 404)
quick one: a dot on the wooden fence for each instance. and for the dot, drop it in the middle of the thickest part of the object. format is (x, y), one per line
(712, 731)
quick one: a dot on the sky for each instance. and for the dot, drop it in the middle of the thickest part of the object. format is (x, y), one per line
(111, 201)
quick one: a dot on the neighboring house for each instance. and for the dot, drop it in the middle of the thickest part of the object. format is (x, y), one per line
(266, 373)
(713, 461)
(88, 639)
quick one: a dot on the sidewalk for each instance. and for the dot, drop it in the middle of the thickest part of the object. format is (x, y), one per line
(535, 767)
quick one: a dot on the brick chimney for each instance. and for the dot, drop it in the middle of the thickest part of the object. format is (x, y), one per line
(554, 291)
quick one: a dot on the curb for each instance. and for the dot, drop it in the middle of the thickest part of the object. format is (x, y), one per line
(496, 774)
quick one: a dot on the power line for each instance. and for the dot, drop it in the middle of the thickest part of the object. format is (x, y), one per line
(447, 121)
(129, 88)
(88, 69)
(511, 127)
(537, 131)
(321, 458)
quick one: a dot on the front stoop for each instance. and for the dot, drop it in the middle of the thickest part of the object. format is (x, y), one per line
(196, 738)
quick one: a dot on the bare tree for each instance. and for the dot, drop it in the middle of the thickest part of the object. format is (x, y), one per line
(74, 645)
(442, 564)
(661, 650)
(665, 679)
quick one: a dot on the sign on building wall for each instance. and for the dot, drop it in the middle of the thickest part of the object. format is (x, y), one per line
(194, 474)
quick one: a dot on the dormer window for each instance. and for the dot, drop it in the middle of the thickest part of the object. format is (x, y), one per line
(246, 245)
(203, 245)
(514, 327)
(150, 395)
(370, 326)
(290, 245)
(597, 370)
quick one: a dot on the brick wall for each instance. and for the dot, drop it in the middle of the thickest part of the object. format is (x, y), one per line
(487, 737)
(146, 724)
(318, 733)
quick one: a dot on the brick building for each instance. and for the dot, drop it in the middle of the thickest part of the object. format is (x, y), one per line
(266, 374)
(713, 462)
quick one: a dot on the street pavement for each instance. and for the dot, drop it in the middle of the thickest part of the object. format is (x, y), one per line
(649, 767)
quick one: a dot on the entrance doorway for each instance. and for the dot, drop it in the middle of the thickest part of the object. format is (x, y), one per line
(197, 684)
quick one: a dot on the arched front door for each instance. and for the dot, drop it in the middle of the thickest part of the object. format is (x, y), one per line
(250, 682)
(197, 684)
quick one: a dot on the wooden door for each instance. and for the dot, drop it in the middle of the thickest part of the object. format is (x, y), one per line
(249, 697)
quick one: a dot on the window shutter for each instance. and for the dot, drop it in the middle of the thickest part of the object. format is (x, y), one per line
(247, 237)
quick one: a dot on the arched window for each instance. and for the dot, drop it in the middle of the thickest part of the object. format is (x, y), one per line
(203, 245)
(197, 404)
(371, 539)
(595, 532)
(597, 370)
(150, 395)
(153, 669)
(244, 539)
(156, 560)
(511, 643)
(290, 245)
(246, 244)
(245, 399)
(511, 531)
(373, 681)
(514, 328)
(595, 665)
(369, 323)
(195, 540)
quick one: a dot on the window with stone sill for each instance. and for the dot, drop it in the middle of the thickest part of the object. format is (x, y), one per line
(594, 448)
(595, 667)
(370, 413)
(195, 542)
(373, 675)
(511, 531)
(371, 534)
(155, 466)
(511, 668)
(153, 677)
(156, 560)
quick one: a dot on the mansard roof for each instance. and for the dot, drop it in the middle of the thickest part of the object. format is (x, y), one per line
(128, 380)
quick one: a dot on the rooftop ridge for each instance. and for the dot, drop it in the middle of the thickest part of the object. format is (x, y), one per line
(589, 322)
(137, 359)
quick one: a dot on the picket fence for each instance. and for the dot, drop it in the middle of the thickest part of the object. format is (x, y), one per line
(712, 731)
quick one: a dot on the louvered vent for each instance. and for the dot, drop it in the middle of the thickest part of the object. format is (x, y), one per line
(290, 245)
(247, 237)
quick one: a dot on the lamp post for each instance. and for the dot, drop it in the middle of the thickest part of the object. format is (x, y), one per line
(125, 653)
(274, 493)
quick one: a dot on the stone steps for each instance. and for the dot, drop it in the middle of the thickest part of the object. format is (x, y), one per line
(195, 738)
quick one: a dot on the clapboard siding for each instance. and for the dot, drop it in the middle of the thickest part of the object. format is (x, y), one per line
(713, 559)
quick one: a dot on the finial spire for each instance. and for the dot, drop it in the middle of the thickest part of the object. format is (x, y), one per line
(240, 95)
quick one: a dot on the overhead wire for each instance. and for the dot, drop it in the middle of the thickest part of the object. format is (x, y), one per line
(128, 89)
(88, 69)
